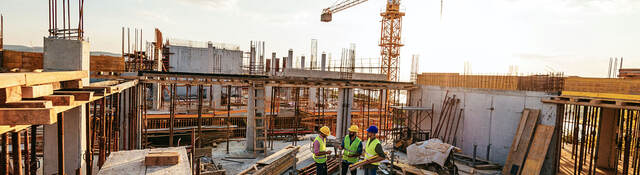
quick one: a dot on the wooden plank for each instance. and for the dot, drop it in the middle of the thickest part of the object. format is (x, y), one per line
(11, 79)
(516, 156)
(10, 94)
(523, 120)
(161, 158)
(126, 85)
(106, 64)
(78, 95)
(37, 91)
(59, 100)
(538, 150)
(35, 78)
(71, 84)
(602, 95)
(27, 116)
(105, 83)
(28, 104)
(9, 128)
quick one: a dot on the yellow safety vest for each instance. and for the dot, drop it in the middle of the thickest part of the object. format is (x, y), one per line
(370, 150)
(350, 149)
(323, 147)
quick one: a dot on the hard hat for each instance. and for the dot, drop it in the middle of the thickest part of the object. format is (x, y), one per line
(325, 130)
(354, 128)
(372, 129)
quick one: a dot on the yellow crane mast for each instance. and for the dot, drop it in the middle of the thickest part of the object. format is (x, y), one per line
(390, 34)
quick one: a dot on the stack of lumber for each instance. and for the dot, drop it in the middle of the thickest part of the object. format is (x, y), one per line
(163, 158)
(276, 163)
(626, 88)
(133, 162)
(530, 145)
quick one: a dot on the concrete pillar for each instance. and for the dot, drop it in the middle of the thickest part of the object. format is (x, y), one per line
(217, 95)
(289, 61)
(255, 108)
(607, 143)
(66, 55)
(156, 93)
(345, 103)
(302, 62)
(323, 62)
(313, 98)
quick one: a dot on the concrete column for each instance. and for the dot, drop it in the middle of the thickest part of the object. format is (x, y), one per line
(217, 95)
(302, 62)
(345, 103)
(66, 55)
(313, 98)
(156, 93)
(255, 108)
(607, 143)
(289, 61)
(323, 62)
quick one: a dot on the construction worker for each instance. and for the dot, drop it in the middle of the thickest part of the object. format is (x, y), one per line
(372, 148)
(352, 149)
(319, 150)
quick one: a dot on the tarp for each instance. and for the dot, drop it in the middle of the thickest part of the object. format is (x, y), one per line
(432, 150)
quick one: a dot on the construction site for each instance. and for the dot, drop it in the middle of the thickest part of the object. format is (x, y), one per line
(175, 106)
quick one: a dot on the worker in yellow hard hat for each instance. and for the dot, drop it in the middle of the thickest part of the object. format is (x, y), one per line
(320, 151)
(352, 149)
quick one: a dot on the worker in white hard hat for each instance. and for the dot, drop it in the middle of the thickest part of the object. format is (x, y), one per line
(352, 149)
(320, 151)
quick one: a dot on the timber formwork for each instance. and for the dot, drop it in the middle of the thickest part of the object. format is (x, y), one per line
(29, 100)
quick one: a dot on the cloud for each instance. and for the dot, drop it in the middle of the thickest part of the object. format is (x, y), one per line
(212, 4)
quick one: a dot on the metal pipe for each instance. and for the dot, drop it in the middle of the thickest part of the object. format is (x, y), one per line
(89, 130)
(61, 143)
(16, 153)
(475, 148)
(27, 160)
(4, 159)
(34, 160)
(172, 114)
(200, 93)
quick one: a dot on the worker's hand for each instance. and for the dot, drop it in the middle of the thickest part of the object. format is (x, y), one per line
(339, 147)
(329, 152)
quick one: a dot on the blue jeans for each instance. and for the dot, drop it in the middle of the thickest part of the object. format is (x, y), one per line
(321, 168)
(370, 169)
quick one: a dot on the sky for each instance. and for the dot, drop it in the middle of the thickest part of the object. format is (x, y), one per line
(577, 37)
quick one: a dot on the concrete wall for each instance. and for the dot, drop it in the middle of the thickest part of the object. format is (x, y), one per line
(205, 60)
(490, 117)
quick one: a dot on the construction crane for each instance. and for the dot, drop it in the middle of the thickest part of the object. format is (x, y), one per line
(390, 34)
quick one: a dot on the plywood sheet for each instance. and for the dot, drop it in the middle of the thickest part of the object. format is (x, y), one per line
(518, 151)
(538, 150)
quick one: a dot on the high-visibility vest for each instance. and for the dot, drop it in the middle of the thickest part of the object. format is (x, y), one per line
(323, 147)
(370, 149)
(350, 148)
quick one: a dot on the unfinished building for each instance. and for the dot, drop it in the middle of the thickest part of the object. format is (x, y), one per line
(205, 108)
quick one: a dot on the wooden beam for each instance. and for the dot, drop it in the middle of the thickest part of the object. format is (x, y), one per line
(9, 128)
(78, 95)
(105, 83)
(59, 100)
(11, 79)
(27, 116)
(71, 84)
(162, 158)
(10, 94)
(35, 78)
(126, 85)
(37, 91)
(28, 104)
